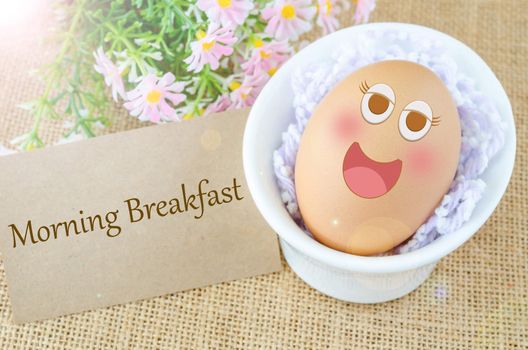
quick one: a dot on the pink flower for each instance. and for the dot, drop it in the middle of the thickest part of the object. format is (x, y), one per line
(110, 72)
(287, 19)
(244, 94)
(210, 47)
(327, 10)
(221, 104)
(363, 10)
(266, 56)
(149, 100)
(227, 12)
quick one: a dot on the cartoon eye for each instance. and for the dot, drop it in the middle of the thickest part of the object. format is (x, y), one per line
(416, 120)
(377, 103)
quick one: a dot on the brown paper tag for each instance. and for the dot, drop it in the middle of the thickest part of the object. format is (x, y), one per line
(130, 216)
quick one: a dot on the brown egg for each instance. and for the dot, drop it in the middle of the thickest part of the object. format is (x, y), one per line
(378, 154)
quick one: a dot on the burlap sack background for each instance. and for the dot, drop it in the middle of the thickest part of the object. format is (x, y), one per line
(476, 298)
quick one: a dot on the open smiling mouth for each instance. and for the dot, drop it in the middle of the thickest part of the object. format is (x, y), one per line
(366, 177)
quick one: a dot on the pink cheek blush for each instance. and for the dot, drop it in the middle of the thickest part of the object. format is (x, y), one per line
(347, 126)
(421, 159)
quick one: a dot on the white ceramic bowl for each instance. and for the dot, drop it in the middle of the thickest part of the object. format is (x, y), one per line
(341, 275)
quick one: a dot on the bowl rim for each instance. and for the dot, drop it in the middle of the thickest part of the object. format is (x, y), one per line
(293, 235)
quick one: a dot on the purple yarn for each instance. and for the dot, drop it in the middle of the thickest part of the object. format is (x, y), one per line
(481, 124)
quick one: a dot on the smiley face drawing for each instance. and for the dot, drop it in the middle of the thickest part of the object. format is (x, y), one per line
(378, 154)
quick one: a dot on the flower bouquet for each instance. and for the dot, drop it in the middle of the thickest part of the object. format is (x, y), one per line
(169, 60)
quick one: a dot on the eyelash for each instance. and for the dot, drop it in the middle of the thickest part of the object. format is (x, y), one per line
(436, 121)
(364, 87)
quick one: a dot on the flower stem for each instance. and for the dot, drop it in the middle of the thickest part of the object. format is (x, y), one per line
(128, 44)
(53, 81)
